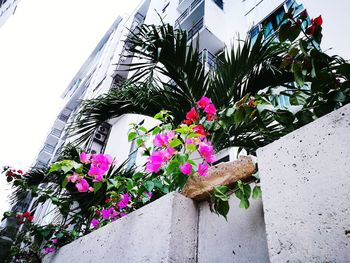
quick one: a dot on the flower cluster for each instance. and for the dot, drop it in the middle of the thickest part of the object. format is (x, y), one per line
(206, 106)
(113, 212)
(193, 138)
(24, 217)
(99, 165)
(315, 24)
(10, 172)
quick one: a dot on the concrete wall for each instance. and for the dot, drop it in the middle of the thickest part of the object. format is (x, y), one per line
(163, 231)
(306, 192)
(174, 229)
(242, 238)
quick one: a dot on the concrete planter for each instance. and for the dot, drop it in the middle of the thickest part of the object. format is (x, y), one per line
(305, 181)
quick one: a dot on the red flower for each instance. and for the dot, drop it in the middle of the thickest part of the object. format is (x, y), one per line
(20, 222)
(9, 173)
(18, 216)
(200, 130)
(27, 215)
(317, 21)
(107, 200)
(251, 103)
(192, 115)
(20, 171)
(187, 122)
(303, 15)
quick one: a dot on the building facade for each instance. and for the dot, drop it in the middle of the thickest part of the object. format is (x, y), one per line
(7, 9)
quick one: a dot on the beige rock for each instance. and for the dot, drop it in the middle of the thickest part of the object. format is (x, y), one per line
(199, 188)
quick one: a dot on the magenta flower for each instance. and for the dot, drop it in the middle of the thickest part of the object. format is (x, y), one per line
(82, 186)
(49, 250)
(154, 163)
(73, 178)
(54, 241)
(203, 169)
(186, 168)
(170, 134)
(167, 153)
(189, 141)
(161, 140)
(206, 151)
(106, 213)
(91, 189)
(210, 109)
(149, 195)
(203, 102)
(94, 223)
(124, 202)
(102, 159)
(85, 158)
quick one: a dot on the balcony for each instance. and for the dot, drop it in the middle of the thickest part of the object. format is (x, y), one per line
(207, 59)
(200, 20)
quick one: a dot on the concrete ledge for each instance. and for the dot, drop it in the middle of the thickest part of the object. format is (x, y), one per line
(163, 231)
(305, 179)
(242, 238)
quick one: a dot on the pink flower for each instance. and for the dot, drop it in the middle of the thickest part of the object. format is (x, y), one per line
(102, 159)
(189, 141)
(106, 213)
(167, 153)
(186, 168)
(98, 178)
(203, 169)
(170, 134)
(149, 194)
(54, 241)
(124, 202)
(85, 157)
(210, 109)
(206, 151)
(192, 115)
(203, 102)
(73, 178)
(91, 189)
(154, 163)
(82, 186)
(49, 250)
(94, 223)
(161, 140)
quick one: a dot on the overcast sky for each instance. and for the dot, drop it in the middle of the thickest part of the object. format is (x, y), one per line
(42, 46)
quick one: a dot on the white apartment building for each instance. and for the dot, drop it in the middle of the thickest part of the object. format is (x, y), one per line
(7, 9)
(213, 23)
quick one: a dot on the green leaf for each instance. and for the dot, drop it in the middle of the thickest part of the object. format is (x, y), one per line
(298, 98)
(59, 235)
(220, 192)
(156, 130)
(55, 200)
(244, 203)
(9, 179)
(230, 111)
(130, 185)
(139, 142)
(175, 142)
(131, 136)
(149, 186)
(143, 129)
(283, 32)
(182, 157)
(55, 167)
(191, 147)
(297, 68)
(222, 208)
(293, 32)
(256, 192)
(172, 166)
(65, 182)
(247, 190)
(97, 186)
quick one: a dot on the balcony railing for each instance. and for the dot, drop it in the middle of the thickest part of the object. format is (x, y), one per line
(205, 56)
(219, 3)
(195, 29)
(185, 13)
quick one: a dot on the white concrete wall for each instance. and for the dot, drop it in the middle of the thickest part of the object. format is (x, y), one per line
(305, 182)
(163, 231)
(242, 238)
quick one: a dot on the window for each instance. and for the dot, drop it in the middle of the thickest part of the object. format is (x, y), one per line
(166, 4)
